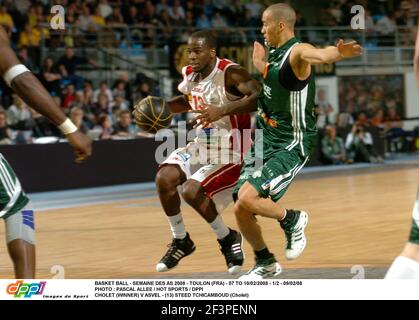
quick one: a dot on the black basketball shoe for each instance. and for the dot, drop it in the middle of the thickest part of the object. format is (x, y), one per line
(178, 249)
(231, 248)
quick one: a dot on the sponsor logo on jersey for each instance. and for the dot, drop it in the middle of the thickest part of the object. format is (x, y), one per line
(184, 156)
(267, 91)
(269, 121)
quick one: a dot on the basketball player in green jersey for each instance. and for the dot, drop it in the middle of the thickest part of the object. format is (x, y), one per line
(406, 266)
(285, 114)
(15, 207)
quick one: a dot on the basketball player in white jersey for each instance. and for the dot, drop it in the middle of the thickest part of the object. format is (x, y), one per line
(207, 82)
(15, 207)
(406, 265)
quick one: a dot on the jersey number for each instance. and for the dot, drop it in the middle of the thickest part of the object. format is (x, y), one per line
(198, 103)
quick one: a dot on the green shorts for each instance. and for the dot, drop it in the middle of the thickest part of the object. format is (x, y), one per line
(273, 178)
(414, 231)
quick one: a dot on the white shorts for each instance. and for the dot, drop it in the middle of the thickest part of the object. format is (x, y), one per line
(218, 180)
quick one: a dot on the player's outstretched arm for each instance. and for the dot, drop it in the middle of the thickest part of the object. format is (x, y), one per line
(28, 87)
(343, 50)
(179, 104)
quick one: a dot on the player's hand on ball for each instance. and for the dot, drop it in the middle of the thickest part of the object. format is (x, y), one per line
(81, 144)
(210, 114)
(349, 49)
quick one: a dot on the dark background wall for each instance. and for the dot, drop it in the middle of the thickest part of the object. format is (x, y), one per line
(51, 166)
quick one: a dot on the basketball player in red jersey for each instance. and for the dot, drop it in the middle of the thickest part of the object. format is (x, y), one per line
(14, 204)
(221, 87)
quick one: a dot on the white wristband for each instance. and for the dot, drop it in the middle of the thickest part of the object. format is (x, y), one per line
(13, 72)
(67, 127)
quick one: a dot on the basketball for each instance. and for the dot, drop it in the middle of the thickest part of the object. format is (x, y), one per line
(152, 114)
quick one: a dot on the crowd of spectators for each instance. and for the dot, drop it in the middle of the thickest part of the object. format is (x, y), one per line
(367, 104)
(27, 20)
(103, 108)
(102, 111)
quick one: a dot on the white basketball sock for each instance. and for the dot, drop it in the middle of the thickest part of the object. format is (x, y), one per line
(219, 227)
(403, 268)
(177, 226)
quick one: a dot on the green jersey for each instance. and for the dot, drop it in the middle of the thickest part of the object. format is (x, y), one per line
(12, 197)
(285, 106)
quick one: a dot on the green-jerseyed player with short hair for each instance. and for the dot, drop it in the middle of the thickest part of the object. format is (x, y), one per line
(285, 114)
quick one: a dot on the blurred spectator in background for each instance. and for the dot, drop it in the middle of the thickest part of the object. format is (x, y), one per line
(42, 127)
(336, 12)
(255, 8)
(104, 8)
(19, 118)
(50, 77)
(236, 9)
(5, 132)
(124, 127)
(362, 119)
(346, 119)
(202, 21)
(176, 12)
(85, 20)
(69, 96)
(386, 27)
(393, 128)
(165, 23)
(143, 90)
(162, 6)
(6, 19)
(18, 113)
(119, 88)
(218, 21)
(378, 119)
(116, 17)
(360, 146)
(77, 116)
(333, 147)
(323, 110)
(104, 124)
(67, 65)
(103, 89)
(248, 22)
(27, 60)
(119, 103)
(29, 37)
(101, 106)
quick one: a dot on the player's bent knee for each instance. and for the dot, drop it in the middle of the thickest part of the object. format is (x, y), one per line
(167, 178)
(243, 205)
(191, 189)
(246, 200)
(243, 208)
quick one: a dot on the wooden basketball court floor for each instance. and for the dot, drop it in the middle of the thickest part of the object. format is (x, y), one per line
(358, 218)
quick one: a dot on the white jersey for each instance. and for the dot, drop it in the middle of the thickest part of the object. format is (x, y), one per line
(212, 90)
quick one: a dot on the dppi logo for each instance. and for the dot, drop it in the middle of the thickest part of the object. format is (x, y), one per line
(27, 290)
